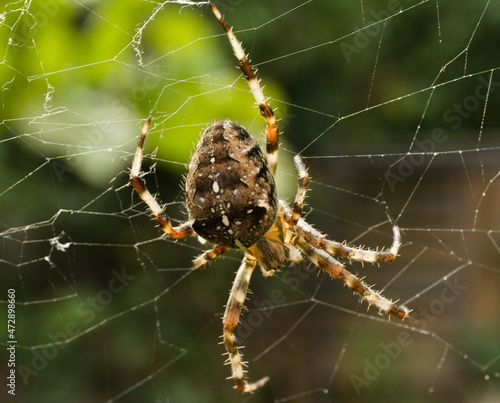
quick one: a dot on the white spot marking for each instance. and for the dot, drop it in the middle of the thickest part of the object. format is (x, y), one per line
(215, 187)
(225, 220)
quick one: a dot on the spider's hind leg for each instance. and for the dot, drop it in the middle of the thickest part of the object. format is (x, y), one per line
(266, 111)
(182, 231)
(301, 190)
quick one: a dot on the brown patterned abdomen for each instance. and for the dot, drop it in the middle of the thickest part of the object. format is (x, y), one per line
(231, 193)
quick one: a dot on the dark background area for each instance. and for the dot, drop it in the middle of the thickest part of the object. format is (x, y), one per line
(393, 106)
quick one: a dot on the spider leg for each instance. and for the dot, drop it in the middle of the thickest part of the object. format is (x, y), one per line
(139, 185)
(341, 250)
(208, 255)
(337, 270)
(230, 321)
(265, 109)
(301, 191)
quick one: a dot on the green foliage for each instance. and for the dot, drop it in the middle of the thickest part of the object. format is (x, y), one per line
(98, 73)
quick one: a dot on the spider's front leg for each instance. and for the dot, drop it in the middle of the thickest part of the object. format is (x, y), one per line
(230, 321)
(139, 185)
(344, 251)
(337, 270)
(319, 250)
(320, 241)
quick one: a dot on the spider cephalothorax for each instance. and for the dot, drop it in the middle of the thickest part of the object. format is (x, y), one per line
(232, 203)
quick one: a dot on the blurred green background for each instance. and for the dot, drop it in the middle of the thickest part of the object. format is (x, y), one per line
(394, 107)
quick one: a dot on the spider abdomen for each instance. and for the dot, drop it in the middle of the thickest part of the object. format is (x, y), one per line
(231, 192)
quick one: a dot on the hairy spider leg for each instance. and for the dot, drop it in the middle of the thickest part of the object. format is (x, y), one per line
(209, 255)
(296, 232)
(230, 321)
(272, 135)
(319, 250)
(301, 190)
(139, 185)
(337, 270)
(343, 251)
(240, 286)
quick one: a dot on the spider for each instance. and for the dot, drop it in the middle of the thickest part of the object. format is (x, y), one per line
(232, 202)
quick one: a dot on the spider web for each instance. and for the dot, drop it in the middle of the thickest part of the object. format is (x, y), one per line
(393, 106)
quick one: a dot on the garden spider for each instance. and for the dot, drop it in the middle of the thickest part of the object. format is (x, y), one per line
(232, 202)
